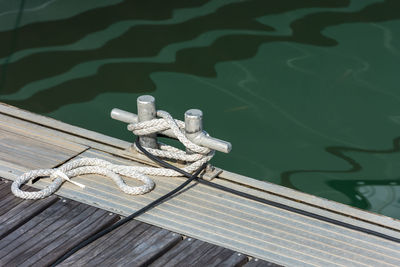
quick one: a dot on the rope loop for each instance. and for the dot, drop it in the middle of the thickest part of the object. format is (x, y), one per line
(200, 156)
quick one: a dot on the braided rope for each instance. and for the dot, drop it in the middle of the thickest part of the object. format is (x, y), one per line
(83, 166)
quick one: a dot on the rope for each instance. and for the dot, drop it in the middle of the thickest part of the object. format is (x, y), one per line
(153, 204)
(197, 157)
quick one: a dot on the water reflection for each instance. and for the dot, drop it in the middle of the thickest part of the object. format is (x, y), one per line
(144, 41)
(69, 30)
(13, 44)
(381, 196)
(360, 192)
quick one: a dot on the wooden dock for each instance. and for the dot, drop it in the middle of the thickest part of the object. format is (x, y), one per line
(218, 227)
(38, 232)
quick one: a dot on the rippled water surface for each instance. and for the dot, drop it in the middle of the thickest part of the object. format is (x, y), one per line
(307, 91)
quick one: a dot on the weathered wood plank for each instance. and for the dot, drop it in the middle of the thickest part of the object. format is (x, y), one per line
(37, 131)
(64, 130)
(225, 258)
(134, 244)
(260, 263)
(13, 216)
(77, 232)
(125, 245)
(110, 250)
(192, 252)
(179, 252)
(23, 149)
(239, 224)
(4, 188)
(31, 153)
(102, 244)
(34, 228)
(55, 224)
(21, 213)
(8, 201)
(219, 256)
(51, 233)
(197, 254)
(147, 247)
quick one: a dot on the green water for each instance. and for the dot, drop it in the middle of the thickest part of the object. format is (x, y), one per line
(308, 92)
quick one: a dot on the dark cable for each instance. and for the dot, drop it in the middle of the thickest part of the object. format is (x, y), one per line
(133, 215)
(269, 202)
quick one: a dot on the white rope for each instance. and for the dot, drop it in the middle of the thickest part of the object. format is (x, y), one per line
(197, 158)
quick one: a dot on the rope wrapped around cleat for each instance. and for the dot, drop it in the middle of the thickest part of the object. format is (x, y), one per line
(199, 155)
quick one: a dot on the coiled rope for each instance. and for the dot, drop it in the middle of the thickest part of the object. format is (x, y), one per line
(198, 157)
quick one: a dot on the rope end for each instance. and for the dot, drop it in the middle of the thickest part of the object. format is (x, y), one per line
(62, 175)
(78, 184)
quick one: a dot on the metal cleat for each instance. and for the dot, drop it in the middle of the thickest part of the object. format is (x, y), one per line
(193, 125)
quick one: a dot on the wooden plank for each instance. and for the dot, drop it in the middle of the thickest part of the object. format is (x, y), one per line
(13, 216)
(202, 248)
(260, 263)
(4, 187)
(56, 131)
(125, 245)
(51, 229)
(148, 247)
(240, 224)
(83, 136)
(217, 256)
(226, 258)
(108, 250)
(179, 252)
(34, 227)
(47, 236)
(103, 244)
(133, 243)
(192, 252)
(8, 200)
(37, 132)
(21, 213)
(22, 150)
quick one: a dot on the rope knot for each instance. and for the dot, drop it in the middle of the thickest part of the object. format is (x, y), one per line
(164, 121)
(57, 173)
